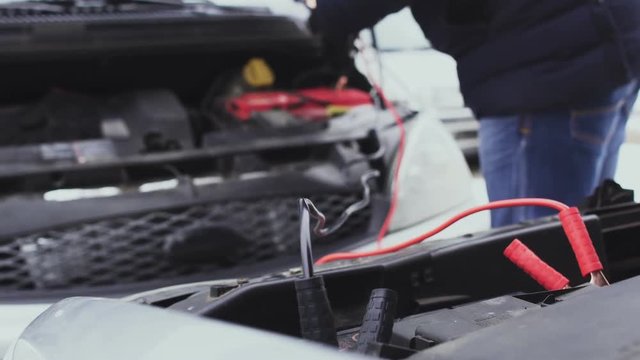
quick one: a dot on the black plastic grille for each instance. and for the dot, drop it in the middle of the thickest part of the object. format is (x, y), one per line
(132, 249)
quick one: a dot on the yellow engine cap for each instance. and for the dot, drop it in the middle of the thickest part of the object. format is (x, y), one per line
(258, 73)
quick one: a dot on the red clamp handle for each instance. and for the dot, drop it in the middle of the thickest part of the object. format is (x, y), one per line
(580, 241)
(529, 262)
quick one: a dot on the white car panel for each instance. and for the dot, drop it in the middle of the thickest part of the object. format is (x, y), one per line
(102, 329)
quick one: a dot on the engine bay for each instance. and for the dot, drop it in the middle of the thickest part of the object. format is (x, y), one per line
(452, 298)
(60, 123)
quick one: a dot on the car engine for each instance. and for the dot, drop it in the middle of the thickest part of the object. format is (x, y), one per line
(456, 298)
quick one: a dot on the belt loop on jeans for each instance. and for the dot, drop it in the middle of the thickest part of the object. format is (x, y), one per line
(524, 125)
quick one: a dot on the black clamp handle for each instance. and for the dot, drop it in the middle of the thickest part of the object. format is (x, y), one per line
(316, 317)
(314, 309)
(377, 325)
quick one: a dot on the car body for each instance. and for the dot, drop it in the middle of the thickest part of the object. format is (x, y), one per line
(458, 297)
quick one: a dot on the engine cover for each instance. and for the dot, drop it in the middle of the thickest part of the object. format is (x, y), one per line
(71, 128)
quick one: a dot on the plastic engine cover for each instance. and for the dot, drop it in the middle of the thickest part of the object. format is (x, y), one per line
(595, 323)
(147, 121)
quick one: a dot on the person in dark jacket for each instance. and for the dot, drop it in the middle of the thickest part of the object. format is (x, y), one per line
(552, 83)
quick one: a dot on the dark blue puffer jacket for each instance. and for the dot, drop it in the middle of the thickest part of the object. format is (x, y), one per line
(516, 56)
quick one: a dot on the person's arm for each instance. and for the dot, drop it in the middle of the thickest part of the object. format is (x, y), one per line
(340, 18)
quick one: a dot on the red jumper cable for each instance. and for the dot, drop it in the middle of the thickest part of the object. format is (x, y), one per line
(572, 223)
(530, 263)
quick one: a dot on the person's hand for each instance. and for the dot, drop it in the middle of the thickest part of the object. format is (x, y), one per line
(336, 47)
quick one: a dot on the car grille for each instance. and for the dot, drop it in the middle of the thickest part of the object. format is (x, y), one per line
(132, 249)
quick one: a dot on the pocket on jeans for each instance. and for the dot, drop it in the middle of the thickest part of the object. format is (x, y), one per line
(594, 126)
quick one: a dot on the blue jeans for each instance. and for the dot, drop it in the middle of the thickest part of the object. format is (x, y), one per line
(561, 155)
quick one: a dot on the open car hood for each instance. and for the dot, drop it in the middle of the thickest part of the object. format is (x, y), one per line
(52, 31)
